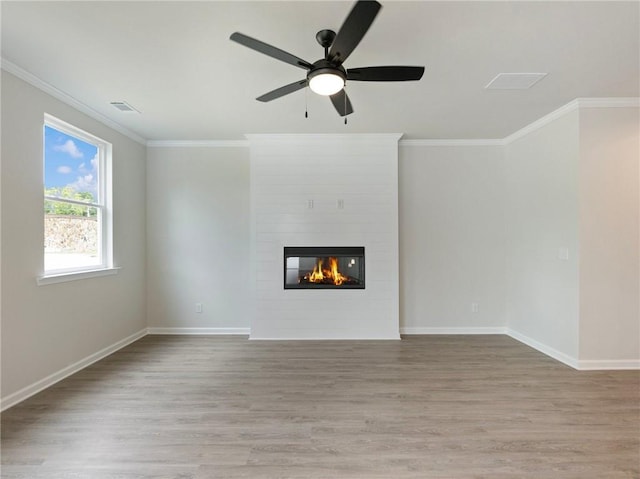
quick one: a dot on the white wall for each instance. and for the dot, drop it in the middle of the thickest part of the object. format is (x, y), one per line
(542, 220)
(451, 234)
(573, 188)
(198, 230)
(487, 224)
(452, 239)
(609, 240)
(48, 328)
(286, 172)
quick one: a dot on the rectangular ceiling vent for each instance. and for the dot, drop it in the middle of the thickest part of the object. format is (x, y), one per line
(514, 81)
(124, 106)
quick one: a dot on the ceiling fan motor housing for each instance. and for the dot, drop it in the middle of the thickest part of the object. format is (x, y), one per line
(326, 67)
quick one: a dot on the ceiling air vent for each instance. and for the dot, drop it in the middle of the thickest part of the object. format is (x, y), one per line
(514, 81)
(124, 106)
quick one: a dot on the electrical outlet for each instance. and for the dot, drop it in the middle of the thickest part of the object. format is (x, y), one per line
(198, 307)
(474, 307)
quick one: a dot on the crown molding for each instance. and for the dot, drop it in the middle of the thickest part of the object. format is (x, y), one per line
(310, 137)
(621, 102)
(452, 142)
(198, 143)
(33, 80)
(280, 137)
(539, 123)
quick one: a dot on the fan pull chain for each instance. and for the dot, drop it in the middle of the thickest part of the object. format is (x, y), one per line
(306, 108)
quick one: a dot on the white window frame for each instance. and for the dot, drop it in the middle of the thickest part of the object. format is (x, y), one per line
(103, 206)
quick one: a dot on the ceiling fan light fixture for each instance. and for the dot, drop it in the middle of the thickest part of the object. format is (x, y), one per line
(327, 76)
(326, 83)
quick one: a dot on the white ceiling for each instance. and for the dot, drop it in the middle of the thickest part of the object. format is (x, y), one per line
(174, 62)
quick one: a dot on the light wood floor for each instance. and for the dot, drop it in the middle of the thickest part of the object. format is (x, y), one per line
(449, 407)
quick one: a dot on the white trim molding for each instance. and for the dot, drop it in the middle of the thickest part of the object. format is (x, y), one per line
(462, 330)
(612, 102)
(540, 122)
(322, 138)
(543, 348)
(452, 142)
(622, 102)
(198, 143)
(579, 364)
(200, 331)
(319, 338)
(27, 392)
(33, 80)
(608, 365)
(76, 275)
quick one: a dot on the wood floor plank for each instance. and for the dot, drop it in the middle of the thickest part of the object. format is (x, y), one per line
(435, 407)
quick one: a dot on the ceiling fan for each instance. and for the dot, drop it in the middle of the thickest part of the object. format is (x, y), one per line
(328, 76)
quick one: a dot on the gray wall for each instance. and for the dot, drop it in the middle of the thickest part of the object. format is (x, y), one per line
(452, 241)
(47, 328)
(198, 228)
(542, 218)
(609, 233)
(573, 186)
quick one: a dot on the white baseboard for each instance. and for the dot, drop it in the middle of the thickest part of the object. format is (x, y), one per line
(608, 364)
(26, 392)
(543, 348)
(492, 330)
(584, 365)
(199, 331)
(579, 364)
(390, 338)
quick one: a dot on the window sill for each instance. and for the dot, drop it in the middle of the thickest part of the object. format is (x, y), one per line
(65, 277)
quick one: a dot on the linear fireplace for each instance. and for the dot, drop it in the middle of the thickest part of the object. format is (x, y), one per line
(309, 267)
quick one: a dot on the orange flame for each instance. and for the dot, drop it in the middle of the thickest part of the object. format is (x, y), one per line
(319, 275)
(338, 279)
(316, 276)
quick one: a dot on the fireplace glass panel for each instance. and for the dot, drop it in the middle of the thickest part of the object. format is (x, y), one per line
(324, 267)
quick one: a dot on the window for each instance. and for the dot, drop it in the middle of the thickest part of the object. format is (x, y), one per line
(77, 200)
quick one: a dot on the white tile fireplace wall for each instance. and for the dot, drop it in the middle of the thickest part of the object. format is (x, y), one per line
(324, 190)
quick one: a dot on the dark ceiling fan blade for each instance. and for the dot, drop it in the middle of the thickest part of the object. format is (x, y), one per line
(342, 103)
(283, 90)
(270, 50)
(387, 73)
(353, 29)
